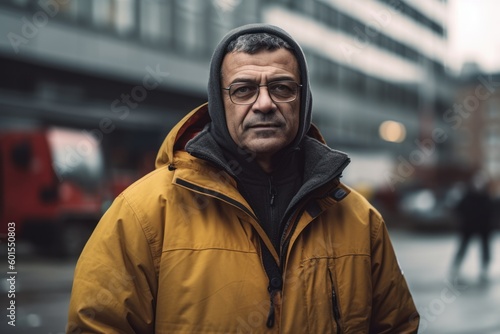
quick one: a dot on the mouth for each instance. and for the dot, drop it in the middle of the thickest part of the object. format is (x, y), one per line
(264, 125)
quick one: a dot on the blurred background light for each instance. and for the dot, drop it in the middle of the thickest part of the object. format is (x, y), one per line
(392, 131)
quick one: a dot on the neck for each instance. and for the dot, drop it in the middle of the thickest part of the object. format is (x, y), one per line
(270, 162)
(266, 164)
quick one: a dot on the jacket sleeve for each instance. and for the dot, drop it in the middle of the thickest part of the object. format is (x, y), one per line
(393, 308)
(115, 281)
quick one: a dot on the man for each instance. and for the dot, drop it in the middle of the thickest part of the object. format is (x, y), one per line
(475, 212)
(244, 226)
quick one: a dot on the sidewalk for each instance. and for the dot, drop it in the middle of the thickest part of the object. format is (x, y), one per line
(449, 306)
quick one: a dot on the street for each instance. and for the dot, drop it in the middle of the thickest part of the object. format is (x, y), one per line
(447, 306)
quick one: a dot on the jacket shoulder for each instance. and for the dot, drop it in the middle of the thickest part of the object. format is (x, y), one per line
(359, 202)
(144, 202)
(359, 212)
(153, 184)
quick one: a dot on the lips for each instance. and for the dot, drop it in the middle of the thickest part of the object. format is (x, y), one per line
(264, 125)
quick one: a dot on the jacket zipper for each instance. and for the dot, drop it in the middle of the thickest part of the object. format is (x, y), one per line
(335, 304)
(286, 236)
(285, 240)
(215, 194)
(285, 243)
(275, 283)
(272, 191)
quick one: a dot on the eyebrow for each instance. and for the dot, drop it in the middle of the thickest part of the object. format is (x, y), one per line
(279, 78)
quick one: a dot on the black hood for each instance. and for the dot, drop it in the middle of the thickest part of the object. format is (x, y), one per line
(218, 128)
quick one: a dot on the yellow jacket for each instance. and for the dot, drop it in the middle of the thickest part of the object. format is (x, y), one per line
(179, 252)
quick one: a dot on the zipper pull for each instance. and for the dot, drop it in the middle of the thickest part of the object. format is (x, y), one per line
(272, 190)
(271, 315)
(335, 304)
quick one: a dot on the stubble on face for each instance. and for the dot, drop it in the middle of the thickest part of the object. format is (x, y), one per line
(264, 127)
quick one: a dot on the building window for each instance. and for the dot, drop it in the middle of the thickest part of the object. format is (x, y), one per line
(116, 15)
(156, 21)
(124, 19)
(102, 13)
(189, 36)
(416, 15)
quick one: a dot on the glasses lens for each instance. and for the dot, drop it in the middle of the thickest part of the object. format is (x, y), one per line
(247, 92)
(243, 92)
(283, 91)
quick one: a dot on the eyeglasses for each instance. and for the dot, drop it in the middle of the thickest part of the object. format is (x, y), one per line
(248, 92)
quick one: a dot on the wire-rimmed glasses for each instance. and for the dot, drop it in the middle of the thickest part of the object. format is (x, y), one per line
(248, 92)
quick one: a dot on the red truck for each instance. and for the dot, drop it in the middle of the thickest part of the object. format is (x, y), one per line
(51, 187)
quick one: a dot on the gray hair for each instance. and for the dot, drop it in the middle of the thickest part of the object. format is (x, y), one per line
(253, 43)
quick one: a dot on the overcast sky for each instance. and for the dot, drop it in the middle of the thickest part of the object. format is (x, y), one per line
(474, 33)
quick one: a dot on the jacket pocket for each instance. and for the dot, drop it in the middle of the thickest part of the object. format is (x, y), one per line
(335, 303)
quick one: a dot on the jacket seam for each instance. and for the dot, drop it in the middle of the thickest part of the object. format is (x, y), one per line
(333, 257)
(145, 228)
(209, 248)
(213, 193)
(378, 228)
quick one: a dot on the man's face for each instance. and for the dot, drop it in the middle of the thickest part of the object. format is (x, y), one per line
(264, 127)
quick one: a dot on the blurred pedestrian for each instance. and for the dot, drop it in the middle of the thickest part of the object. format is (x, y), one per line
(244, 226)
(474, 212)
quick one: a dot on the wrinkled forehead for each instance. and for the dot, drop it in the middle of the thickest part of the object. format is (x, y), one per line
(274, 63)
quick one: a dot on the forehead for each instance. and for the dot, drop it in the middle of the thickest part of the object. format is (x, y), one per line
(263, 64)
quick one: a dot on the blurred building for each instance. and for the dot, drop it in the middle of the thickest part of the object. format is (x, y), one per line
(380, 84)
(124, 71)
(476, 120)
(127, 70)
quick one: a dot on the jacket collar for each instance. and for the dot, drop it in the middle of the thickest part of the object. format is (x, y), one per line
(321, 163)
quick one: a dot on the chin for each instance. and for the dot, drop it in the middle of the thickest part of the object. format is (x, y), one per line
(266, 147)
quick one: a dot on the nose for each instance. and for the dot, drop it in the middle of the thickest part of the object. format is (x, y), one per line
(264, 103)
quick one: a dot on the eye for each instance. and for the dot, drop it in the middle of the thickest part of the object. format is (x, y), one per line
(242, 90)
(282, 88)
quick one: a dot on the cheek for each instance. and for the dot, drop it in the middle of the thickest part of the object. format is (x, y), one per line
(294, 121)
(232, 126)
(233, 121)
